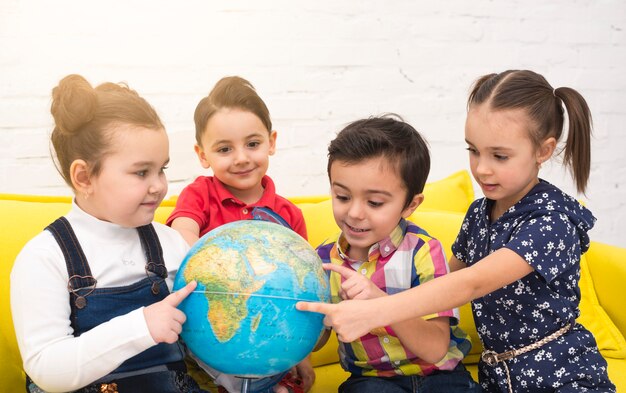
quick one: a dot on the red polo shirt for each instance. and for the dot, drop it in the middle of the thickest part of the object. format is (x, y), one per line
(210, 204)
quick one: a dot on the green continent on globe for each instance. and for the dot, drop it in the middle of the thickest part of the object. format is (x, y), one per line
(231, 285)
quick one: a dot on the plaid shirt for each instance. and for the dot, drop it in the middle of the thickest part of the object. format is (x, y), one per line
(405, 259)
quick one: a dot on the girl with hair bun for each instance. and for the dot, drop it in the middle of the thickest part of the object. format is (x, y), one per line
(90, 295)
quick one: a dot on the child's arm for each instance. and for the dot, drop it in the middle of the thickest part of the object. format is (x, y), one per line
(188, 228)
(428, 339)
(354, 318)
(304, 371)
(455, 264)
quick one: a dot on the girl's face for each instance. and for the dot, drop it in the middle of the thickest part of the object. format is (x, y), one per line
(236, 145)
(131, 183)
(503, 159)
(368, 202)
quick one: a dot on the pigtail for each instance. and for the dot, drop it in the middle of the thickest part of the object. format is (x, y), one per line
(577, 151)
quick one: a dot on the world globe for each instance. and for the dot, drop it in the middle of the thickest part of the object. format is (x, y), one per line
(241, 318)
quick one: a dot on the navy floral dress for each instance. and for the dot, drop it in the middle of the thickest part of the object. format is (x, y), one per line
(549, 230)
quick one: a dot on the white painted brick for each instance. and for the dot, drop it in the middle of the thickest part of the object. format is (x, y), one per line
(318, 66)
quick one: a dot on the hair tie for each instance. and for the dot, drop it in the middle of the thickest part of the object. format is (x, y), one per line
(554, 91)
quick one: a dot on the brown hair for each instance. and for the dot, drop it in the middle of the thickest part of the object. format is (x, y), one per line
(389, 137)
(84, 117)
(230, 92)
(527, 90)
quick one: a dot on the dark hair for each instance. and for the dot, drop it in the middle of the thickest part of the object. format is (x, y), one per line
(527, 90)
(84, 117)
(385, 136)
(230, 92)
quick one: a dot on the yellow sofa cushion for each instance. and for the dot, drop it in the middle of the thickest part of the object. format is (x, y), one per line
(453, 193)
(610, 340)
(28, 219)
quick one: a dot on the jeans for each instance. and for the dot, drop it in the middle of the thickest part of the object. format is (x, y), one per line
(266, 385)
(457, 380)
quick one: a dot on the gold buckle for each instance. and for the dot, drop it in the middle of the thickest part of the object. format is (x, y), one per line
(506, 355)
(108, 388)
(492, 358)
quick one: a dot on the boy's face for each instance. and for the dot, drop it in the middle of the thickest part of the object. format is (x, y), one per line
(368, 202)
(236, 146)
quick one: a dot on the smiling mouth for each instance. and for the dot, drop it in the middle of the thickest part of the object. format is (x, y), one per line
(354, 229)
(242, 173)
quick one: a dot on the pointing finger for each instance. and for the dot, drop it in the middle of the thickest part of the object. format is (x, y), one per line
(322, 308)
(345, 272)
(177, 297)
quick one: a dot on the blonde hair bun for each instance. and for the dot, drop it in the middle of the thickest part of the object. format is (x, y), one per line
(74, 103)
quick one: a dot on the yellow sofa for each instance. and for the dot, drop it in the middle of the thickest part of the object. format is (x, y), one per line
(603, 272)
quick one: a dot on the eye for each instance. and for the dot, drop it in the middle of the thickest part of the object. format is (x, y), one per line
(341, 198)
(163, 168)
(223, 149)
(141, 173)
(253, 144)
(471, 150)
(375, 204)
(501, 157)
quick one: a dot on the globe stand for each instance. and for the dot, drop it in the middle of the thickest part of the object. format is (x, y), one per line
(245, 385)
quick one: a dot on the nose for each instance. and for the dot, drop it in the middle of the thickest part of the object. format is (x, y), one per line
(482, 166)
(241, 157)
(355, 210)
(158, 185)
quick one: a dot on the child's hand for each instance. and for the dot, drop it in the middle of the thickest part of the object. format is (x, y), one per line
(350, 319)
(304, 371)
(355, 285)
(164, 320)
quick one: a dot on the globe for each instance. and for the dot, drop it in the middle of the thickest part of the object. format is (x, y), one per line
(241, 318)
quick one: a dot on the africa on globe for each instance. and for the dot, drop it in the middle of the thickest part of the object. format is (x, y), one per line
(241, 319)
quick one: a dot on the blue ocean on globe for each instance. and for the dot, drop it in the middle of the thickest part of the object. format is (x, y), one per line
(241, 319)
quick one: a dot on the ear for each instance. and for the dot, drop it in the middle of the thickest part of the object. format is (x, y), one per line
(273, 135)
(415, 202)
(201, 156)
(80, 177)
(546, 149)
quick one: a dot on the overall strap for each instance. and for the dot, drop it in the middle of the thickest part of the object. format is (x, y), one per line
(154, 255)
(81, 282)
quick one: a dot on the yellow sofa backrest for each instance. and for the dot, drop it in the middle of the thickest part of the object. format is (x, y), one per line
(441, 214)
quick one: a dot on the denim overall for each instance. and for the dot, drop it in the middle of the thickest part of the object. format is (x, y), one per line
(157, 369)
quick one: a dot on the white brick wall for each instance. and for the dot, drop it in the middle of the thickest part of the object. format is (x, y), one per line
(318, 65)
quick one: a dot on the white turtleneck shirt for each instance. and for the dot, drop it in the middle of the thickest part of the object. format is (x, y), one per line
(54, 359)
